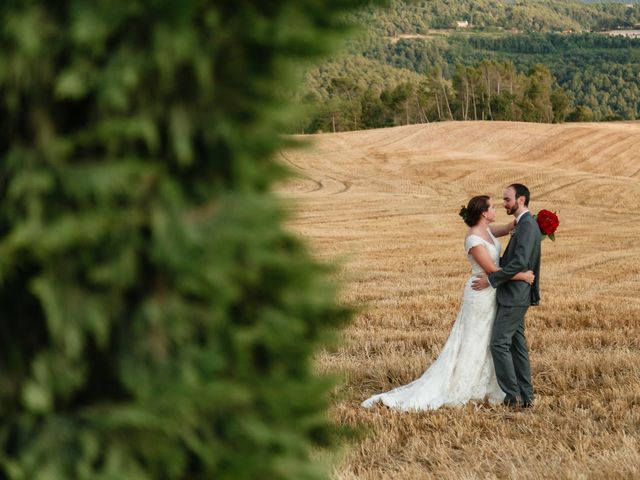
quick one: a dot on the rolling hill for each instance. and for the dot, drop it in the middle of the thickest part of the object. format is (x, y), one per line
(385, 202)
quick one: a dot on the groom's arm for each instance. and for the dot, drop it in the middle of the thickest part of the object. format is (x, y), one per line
(520, 261)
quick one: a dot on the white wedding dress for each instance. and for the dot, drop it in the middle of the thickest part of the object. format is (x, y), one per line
(464, 369)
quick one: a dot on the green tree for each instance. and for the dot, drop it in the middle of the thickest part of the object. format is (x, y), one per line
(561, 105)
(502, 106)
(373, 110)
(349, 91)
(581, 114)
(398, 101)
(464, 90)
(157, 321)
(536, 104)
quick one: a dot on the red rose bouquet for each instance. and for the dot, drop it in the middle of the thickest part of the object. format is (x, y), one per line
(548, 223)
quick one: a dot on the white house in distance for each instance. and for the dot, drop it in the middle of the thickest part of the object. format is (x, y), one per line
(462, 24)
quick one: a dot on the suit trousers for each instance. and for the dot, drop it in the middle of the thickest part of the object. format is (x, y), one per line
(510, 353)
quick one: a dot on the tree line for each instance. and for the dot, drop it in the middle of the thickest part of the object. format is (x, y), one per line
(598, 73)
(489, 90)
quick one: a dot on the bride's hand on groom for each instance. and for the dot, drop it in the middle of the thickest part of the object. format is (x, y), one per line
(529, 277)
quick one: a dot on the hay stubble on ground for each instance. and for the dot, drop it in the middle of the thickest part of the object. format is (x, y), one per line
(386, 201)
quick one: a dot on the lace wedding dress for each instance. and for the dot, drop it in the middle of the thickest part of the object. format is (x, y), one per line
(464, 369)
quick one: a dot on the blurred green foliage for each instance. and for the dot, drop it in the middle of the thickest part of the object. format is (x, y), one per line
(157, 322)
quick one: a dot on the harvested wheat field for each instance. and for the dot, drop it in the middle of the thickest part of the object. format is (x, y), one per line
(385, 203)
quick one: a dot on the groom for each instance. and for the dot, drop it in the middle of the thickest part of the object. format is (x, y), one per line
(508, 343)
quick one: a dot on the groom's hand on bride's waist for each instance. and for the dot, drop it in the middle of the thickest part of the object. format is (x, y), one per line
(480, 282)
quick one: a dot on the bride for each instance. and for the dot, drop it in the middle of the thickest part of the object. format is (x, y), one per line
(464, 369)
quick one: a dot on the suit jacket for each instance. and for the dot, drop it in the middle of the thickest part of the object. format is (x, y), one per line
(522, 254)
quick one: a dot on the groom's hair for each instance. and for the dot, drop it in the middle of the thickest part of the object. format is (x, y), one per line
(521, 191)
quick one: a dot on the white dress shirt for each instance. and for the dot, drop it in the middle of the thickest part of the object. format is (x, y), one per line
(520, 216)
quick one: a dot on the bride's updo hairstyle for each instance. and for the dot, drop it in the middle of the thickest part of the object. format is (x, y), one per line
(475, 208)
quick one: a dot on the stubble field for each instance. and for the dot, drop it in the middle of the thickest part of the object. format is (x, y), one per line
(385, 202)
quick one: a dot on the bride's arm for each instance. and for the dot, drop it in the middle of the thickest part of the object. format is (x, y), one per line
(480, 255)
(502, 230)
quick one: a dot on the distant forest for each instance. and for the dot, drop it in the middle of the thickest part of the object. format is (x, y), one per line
(540, 61)
(406, 16)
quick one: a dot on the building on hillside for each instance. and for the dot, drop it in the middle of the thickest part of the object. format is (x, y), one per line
(462, 24)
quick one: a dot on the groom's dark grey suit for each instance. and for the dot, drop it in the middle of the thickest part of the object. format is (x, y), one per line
(508, 343)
